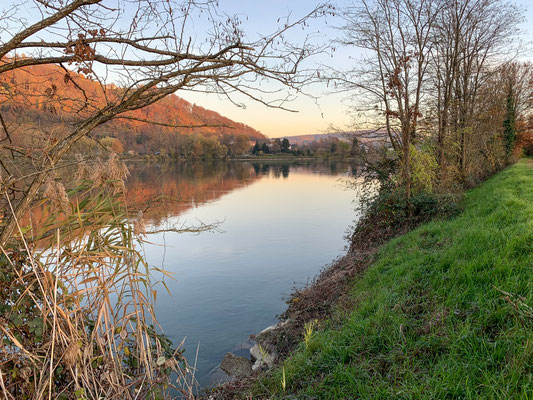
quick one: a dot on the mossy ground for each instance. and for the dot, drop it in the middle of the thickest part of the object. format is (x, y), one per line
(444, 312)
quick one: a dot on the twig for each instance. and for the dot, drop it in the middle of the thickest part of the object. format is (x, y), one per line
(174, 125)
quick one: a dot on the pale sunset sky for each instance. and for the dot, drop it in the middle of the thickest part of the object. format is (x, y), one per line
(311, 118)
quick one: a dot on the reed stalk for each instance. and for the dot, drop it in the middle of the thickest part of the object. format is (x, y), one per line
(77, 301)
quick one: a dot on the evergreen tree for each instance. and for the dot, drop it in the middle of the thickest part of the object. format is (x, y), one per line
(509, 124)
(285, 145)
(256, 147)
(355, 147)
(265, 148)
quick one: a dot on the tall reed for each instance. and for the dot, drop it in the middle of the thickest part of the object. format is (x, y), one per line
(77, 303)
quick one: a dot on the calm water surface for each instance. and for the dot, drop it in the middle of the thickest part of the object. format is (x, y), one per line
(280, 224)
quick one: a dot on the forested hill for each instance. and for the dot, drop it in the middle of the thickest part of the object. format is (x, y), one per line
(50, 95)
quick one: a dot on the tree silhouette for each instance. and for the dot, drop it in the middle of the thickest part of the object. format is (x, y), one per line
(285, 145)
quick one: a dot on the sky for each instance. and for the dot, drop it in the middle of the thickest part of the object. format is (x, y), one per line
(324, 111)
(312, 118)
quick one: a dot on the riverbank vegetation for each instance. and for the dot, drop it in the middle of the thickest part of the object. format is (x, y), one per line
(77, 301)
(444, 311)
(440, 82)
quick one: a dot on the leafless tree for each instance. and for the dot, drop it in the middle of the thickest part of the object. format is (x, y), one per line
(423, 66)
(395, 36)
(471, 39)
(149, 49)
(517, 77)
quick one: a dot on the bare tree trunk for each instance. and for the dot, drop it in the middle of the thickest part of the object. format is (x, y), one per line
(398, 35)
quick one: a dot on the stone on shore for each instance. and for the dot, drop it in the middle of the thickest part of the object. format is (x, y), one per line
(238, 367)
(263, 359)
(271, 328)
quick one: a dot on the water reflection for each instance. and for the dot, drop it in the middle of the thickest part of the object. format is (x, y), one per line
(168, 189)
(283, 222)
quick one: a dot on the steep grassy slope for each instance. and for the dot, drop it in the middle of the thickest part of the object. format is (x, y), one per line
(445, 311)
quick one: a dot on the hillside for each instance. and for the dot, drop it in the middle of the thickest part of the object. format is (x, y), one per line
(363, 137)
(444, 311)
(49, 95)
(307, 139)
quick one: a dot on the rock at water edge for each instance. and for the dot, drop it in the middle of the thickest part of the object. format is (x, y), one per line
(238, 367)
(263, 358)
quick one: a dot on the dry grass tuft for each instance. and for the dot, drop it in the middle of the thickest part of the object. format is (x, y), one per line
(72, 354)
(57, 195)
(111, 173)
(77, 313)
(139, 225)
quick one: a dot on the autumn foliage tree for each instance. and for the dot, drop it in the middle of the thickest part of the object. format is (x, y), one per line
(41, 96)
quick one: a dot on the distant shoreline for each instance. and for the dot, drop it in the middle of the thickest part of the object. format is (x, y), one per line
(241, 159)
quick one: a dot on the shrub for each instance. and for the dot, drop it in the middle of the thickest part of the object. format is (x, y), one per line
(423, 170)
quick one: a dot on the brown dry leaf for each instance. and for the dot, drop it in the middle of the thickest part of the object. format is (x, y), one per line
(72, 353)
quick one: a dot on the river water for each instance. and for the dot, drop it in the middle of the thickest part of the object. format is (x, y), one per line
(279, 224)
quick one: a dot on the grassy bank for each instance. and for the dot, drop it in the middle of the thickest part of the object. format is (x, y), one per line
(444, 312)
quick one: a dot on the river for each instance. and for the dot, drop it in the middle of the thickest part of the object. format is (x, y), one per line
(279, 224)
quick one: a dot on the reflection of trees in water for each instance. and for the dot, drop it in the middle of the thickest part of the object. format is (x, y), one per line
(166, 189)
(162, 190)
(277, 170)
(285, 170)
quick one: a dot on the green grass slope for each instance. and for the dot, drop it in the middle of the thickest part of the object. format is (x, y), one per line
(444, 313)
